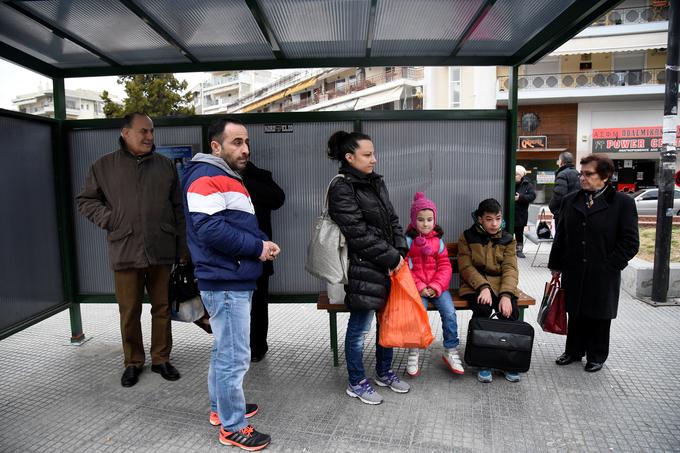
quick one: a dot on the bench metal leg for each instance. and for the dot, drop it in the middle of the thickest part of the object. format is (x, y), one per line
(535, 254)
(333, 321)
(521, 313)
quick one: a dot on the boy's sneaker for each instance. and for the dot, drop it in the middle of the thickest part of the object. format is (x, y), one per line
(484, 376)
(251, 409)
(452, 359)
(412, 363)
(392, 381)
(246, 438)
(511, 376)
(364, 391)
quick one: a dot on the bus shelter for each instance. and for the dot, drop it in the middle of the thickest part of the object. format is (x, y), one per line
(53, 259)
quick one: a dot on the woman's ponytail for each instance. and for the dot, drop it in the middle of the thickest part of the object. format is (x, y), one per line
(342, 143)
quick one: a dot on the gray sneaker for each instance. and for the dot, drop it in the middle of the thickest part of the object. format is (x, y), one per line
(392, 381)
(365, 392)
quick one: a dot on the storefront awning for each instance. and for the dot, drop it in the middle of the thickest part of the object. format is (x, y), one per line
(391, 95)
(618, 43)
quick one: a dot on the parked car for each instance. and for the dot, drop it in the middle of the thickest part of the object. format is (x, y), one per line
(646, 201)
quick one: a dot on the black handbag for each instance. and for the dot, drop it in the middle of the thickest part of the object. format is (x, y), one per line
(542, 228)
(183, 285)
(500, 344)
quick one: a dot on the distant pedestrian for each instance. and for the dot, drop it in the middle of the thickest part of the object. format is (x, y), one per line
(596, 237)
(566, 182)
(524, 195)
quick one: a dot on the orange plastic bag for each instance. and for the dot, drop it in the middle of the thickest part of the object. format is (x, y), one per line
(403, 321)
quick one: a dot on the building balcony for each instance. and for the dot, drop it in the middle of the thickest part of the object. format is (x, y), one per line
(639, 15)
(597, 79)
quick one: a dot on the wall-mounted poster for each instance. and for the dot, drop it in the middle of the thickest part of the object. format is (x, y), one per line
(180, 155)
(545, 177)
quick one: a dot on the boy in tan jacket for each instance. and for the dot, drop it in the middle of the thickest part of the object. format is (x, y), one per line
(487, 262)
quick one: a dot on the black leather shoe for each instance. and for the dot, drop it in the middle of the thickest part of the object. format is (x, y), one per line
(566, 359)
(167, 371)
(592, 367)
(130, 376)
(257, 357)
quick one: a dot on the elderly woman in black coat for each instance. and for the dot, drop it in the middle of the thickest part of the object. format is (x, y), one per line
(360, 205)
(596, 236)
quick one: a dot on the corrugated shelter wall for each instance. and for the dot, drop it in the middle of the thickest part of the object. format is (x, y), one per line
(30, 263)
(86, 146)
(457, 163)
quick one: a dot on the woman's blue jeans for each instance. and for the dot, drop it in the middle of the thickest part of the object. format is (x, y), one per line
(447, 311)
(357, 328)
(230, 322)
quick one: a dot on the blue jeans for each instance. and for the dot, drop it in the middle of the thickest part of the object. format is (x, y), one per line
(447, 311)
(357, 328)
(230, 322)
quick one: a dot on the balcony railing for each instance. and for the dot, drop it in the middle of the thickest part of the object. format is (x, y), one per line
(343, 89)
(215, 81)
(639, 15)
(599, 79)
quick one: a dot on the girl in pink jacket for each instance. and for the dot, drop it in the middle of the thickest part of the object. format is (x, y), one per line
(429, 262)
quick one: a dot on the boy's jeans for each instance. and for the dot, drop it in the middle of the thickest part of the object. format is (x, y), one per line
(447, 311)
(230, 322)
(357, 328)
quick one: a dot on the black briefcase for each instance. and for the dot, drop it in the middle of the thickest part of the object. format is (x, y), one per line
(500, 344)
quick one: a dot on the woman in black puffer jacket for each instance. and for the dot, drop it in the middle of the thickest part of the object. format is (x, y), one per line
(360, 205)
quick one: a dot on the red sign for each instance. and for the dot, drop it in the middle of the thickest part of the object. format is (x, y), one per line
(630, 139)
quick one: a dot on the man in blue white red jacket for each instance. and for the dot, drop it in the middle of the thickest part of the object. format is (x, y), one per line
(228, 249)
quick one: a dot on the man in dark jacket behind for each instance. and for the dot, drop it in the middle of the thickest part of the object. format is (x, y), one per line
(566, 182)
(267, 196)
(134, 195)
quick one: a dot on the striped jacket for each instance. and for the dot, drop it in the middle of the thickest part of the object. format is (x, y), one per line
(222, 232)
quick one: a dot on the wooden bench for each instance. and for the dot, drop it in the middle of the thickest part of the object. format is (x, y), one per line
(459, 303)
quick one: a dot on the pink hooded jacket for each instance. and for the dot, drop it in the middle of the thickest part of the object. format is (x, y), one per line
(428, 266)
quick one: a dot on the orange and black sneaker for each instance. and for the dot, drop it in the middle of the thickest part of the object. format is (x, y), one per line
(251, 409)
(246, 438)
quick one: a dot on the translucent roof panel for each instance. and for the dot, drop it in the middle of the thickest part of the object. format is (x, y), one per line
(111, 28)
(212, 30)
(317, 29)
(32, 38)
(411, 28)
(512, 23)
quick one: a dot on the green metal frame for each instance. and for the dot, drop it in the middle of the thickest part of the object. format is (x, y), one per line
(511, 150)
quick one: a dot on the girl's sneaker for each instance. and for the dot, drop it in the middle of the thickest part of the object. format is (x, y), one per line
(452, 359)
(364, 391)
(412, 363)
(511, 376)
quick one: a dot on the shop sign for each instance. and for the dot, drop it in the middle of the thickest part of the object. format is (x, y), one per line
(545, 177)
(532, 142)
(629, 139)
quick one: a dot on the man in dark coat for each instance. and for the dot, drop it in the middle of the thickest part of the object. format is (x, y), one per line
(524, 196)
(134, 194)
(596, 237)
(566, 182)
(267, 196)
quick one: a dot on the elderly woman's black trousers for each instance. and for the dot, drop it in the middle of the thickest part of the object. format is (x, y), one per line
(588, 337)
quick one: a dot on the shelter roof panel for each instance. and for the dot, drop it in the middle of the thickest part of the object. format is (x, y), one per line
(212, 30)
(406, 27)
(512, 23)
(319, 29)
(110, 27)
(37, 41)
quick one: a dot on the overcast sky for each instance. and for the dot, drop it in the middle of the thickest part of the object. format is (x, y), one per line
(15, 80)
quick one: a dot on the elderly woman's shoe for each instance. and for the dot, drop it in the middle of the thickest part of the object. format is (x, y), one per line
(566, 359)
(592, 367)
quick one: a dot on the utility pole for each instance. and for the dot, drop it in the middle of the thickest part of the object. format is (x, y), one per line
(664, 213)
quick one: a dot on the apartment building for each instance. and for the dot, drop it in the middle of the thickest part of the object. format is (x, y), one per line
(602, 91)
(80, 104)
(224, 88)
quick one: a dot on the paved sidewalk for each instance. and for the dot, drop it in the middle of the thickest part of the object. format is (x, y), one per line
(61, 398)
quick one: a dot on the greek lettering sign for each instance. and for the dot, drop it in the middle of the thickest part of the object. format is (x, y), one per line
(629, 139)
(532, 142)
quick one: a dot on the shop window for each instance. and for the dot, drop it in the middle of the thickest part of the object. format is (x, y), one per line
(454, 89)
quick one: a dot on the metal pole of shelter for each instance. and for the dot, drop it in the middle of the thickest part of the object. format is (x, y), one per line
(664, 213)
(62, 188)
(511, 151)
